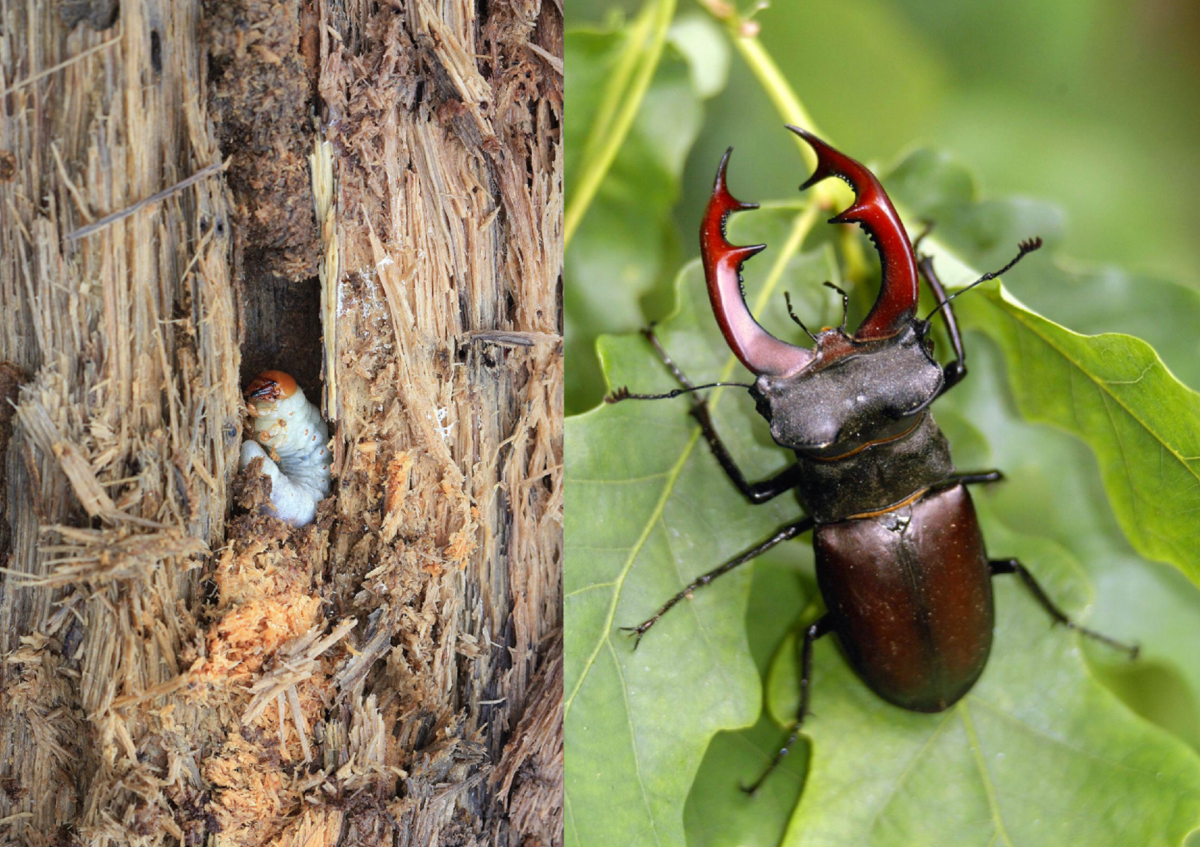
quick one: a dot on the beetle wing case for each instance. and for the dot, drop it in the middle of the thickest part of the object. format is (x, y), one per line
(910, 594)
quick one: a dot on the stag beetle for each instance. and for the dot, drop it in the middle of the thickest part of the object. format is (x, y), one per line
(900, 558)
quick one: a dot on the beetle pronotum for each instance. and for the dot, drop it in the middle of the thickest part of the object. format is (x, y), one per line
(295, 438)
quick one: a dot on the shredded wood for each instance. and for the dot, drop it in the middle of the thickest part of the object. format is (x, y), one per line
(176, 668)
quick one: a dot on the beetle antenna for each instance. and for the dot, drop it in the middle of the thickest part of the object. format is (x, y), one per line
(787, 298)
(623, 393)
(1024, 248)
(845, 303)
(926, 228)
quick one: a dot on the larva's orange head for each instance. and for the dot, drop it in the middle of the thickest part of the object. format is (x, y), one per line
(271, 385)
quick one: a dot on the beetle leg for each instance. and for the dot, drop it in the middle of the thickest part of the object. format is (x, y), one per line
(679, 375)
(926, 228)
(811, 634)
(1006, 566)
(785, 534)
(976, 478)
(755, 492)
(957, 369)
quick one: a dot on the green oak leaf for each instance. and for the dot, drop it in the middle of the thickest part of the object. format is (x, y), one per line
(717, 814)
(647, 510)
(1111, 390)
(1114, 392)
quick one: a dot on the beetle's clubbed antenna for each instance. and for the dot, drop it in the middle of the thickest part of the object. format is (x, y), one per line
(787, 298)
(1023, 249)
(845, 303)
(758, 350)
(898, 293)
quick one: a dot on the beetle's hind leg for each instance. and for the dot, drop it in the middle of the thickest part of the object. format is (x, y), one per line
(1012, 566)
(977, 477)
(755, 492)
(811, 634)
(785, 534)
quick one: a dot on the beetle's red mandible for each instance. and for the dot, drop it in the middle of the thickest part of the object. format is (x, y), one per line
(758, 350)
(898, 293)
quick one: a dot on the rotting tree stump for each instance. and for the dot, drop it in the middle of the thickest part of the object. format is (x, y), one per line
(378, 211)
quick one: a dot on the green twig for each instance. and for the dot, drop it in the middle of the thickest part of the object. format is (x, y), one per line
(622, 100)
(744, 35)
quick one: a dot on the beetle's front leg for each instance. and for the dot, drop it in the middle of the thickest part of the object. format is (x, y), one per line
(957, 369)
(755, 492)
(785, 534)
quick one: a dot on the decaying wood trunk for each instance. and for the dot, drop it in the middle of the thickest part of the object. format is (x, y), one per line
(377, 209)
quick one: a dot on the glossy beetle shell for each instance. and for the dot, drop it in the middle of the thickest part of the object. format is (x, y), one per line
(909, 594)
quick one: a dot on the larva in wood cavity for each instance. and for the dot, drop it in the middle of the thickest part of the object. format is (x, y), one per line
(292, 439)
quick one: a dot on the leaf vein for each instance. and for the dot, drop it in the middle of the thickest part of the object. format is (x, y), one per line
(637, 761)
(985, 777)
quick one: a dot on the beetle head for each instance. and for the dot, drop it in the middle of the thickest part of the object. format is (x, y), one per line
(850, 389)
(270, 386)
(852, 393)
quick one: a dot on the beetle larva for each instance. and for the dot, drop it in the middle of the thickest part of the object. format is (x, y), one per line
(296, 457)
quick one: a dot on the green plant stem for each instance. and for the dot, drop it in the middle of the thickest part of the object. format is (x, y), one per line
(777, 89)
(744, 35)
(618, 82)
(620, 107)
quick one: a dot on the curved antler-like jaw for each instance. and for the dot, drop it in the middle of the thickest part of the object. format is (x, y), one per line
(761, 352)
(898, 293)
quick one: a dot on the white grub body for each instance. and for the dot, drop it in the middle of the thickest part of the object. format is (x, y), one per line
(291, 430)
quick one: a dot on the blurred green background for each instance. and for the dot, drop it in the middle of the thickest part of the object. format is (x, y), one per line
(1092, 104)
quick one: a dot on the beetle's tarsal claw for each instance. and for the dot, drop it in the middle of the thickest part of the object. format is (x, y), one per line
(636, 633)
